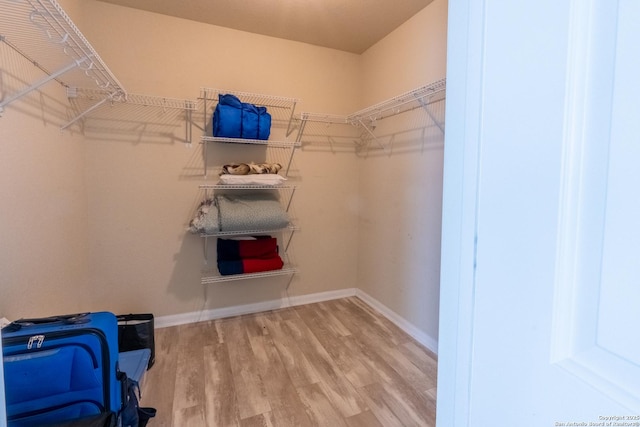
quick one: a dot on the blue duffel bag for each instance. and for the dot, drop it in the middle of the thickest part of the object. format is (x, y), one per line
(256, 122)
(227, 117)
(235, 119)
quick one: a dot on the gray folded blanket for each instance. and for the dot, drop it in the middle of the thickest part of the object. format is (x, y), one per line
(246, 212)
(257, 211)
(206, 219)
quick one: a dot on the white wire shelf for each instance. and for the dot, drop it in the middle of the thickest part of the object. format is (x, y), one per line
(281, 109)
(337, 131)
(247, 187)
(266, 142)
(135, 99)
(331, 130)
(290, 228)
(287, 241)
(211, 94)
(288, 145)
(213, 276)
(324, 118)
(41, 32)
(127, 113)
(417, 98)
(286, 204)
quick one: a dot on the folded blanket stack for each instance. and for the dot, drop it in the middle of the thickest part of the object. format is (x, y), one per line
(248, 256)
(247, 212)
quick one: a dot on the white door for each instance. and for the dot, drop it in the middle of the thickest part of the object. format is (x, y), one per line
(540, 290)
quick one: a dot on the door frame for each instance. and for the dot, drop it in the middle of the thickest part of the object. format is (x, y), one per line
(465, 38)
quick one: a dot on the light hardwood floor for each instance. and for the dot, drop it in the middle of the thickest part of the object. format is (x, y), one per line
(336, 363)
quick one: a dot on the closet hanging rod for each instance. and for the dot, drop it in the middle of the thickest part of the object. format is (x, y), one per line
(42, 32)
(28, 58)
(40, 83)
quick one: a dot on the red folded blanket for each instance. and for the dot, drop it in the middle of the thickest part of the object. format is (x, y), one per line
(248, 256)
(261, 247)
(249, 265)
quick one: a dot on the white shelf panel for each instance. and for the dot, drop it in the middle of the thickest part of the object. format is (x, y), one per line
(210, 277)
(417, 98)
(266, 142)
(210, 94)
(286, 203)
(246, 187)
(324, 118)
(249, 232)
(135, 99)
(360, 128)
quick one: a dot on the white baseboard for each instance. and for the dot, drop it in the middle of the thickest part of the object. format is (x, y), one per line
(219, 313)
(423, 338)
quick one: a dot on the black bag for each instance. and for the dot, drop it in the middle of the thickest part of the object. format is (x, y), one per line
(132, 414)
(135, 332)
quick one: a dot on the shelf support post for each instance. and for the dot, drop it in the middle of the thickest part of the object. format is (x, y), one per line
(290, 128)
(286, 247)
(206, 250)
(204, 148)
(425, 106)
(188, 121)
(85, 112)
(375, 138)
(293, 191)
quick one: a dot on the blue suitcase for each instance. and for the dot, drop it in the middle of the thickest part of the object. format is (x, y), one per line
(61, 368)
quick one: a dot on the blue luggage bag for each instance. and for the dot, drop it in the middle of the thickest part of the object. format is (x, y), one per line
(61, 368)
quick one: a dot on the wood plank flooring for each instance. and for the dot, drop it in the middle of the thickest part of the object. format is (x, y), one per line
(336, 363)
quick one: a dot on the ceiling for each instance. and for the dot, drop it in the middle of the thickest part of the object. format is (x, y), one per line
(348, 25)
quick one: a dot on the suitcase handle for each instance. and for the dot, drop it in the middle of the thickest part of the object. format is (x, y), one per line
(65, 319)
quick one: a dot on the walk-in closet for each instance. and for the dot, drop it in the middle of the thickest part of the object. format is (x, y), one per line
(110, 166)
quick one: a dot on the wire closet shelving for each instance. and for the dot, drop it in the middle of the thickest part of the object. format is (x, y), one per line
(359, 127)
(282, 111)
(210, 276)
(42, 33)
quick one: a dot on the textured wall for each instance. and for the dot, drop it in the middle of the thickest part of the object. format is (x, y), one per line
(43, 219)
(401, 185)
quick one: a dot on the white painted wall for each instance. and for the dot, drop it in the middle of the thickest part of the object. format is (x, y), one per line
(43, 220)
(141, 193)
(401, 188)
